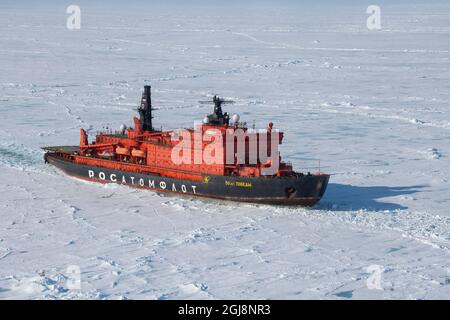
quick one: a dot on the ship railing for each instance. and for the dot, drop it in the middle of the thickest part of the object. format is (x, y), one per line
(109, 131)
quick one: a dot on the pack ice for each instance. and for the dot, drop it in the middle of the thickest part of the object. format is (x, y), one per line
(372, 105)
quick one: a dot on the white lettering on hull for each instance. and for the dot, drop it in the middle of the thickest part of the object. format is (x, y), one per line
(151, 182)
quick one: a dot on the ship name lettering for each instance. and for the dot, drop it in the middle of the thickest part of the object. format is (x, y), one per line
(151, 183)
(243, 184)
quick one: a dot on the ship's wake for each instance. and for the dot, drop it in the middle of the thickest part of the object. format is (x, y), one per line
(20, 157)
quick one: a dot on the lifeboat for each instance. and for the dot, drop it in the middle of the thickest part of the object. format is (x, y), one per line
(138, 153)
(123, 151)
(107, 154)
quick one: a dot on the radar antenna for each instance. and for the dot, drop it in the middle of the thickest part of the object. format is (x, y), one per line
(217, 117)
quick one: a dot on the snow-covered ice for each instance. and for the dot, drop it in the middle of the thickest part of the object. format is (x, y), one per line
(372, 106)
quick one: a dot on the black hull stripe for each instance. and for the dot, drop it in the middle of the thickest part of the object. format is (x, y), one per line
(302, 190)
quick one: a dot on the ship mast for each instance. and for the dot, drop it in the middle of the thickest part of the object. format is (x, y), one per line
(145, 110)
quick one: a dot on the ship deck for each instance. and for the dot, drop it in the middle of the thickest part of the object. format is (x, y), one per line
(63, 149)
